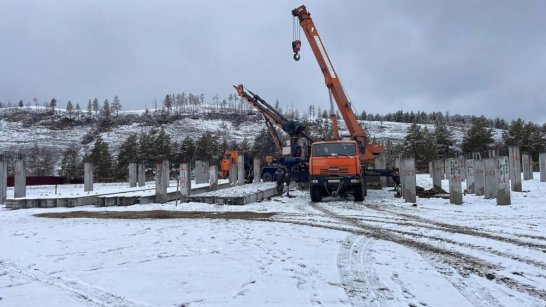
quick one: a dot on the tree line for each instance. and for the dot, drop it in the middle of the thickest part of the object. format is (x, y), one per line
(426, 145)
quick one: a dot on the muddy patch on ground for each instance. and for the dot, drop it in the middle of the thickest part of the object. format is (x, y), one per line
(158, 214)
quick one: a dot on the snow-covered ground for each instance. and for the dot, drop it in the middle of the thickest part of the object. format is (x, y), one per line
(381, 252)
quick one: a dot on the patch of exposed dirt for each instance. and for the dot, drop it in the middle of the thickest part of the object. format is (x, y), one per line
(158, 214)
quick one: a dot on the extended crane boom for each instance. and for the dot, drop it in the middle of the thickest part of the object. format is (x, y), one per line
(330, 77)
(292, 128)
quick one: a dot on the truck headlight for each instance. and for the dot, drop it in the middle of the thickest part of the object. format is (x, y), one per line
(355, 180)
(314, 181)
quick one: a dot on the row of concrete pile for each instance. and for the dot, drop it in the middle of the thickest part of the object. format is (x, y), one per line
(492, 178)
(204, 174)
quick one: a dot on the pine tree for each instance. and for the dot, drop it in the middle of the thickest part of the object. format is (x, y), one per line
(128, 153)
(89, 107)
(69, 108)
(478, 138)
(145, 150)
(71, 164)
(162, 146)
(443, 139)
(414, 142)
(116, 105)
(106, 111)
(187, 150)
(101, 158)
(208, 148)
(78, 110)
(21, 104)
(263, 144)
(96, 106)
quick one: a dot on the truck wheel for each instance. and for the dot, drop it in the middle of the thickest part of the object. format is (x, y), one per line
(358, 192)
(316, 194)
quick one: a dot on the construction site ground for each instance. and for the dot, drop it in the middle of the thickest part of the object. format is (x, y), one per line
(280, 252)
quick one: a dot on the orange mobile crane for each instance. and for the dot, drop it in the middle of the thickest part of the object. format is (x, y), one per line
(336, 167)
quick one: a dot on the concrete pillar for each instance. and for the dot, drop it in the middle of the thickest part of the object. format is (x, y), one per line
(515, 168)
(503, 181)
(455, 178)
(241, 170)
(430, 169)
(201, 172)
(526, 165)
(213, 177)
(3, 181)
(542, 162)
(492, 154)
(490, 178)
(531, 173)
(447, 169)
(408, 176)
(88, 177)
(257, 170)
(20, 180)
(479, 177)
(437, 173)
(132, 175)
(185, 179)
(233, 168)
(469, 170)
(161, 181)
(381, 163)
(141, 174)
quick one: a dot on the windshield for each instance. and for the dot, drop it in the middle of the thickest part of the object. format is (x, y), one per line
(334, 149)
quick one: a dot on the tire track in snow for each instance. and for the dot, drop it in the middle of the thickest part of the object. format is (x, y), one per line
(86, 294)
(360, 281)
(424, 222)
(464, 264)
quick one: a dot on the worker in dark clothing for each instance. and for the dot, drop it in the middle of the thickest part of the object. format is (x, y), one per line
(282, 176)
(396, 179)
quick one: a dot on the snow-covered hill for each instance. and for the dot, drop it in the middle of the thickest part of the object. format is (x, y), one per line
(20, 135)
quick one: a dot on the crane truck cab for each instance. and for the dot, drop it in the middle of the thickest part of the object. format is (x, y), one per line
(334, 169)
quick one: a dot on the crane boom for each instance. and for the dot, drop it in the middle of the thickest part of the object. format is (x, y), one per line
(292, 128)
(330, 76)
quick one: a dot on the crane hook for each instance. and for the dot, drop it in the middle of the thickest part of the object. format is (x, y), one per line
(296, 56)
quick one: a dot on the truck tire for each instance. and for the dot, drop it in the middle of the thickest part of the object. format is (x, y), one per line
(316, 194)
(266, 177)
(358, 192)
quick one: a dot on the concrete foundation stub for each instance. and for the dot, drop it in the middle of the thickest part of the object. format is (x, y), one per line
(490, 178)
(240, 170)
(479, 177)
(437, 173)
(455, 180)
(201, 172)
(132, 175)
(20, 180)
(185, 180)
(213, 177)
(141, 174)
(88, 177)
(515, 168)
(161, 181)
(542, 164)
(503, 181)
(233, 173)
(3, 181)
(408, 175)
(470, 185)
(257, 170)
(526, 165)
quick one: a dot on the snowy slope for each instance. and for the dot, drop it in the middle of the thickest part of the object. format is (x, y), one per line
(15, 135)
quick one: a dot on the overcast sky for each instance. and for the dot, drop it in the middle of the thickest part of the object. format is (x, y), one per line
(468, 57)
